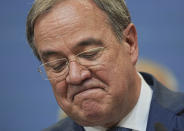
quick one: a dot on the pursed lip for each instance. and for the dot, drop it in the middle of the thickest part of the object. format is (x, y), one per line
(84, 90)
(91, 85)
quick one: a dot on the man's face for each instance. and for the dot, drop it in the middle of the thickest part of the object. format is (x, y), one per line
(101, 95)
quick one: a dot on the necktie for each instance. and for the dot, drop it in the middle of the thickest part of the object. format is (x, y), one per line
(119, 129)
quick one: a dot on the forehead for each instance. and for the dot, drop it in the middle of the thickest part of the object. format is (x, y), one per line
(66, 14)
(67, 23)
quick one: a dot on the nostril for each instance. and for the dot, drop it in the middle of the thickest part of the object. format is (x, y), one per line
(85, 74)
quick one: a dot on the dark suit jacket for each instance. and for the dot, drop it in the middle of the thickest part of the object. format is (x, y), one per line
(166, 111)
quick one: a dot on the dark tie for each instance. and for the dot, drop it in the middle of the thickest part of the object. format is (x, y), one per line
(119, 129)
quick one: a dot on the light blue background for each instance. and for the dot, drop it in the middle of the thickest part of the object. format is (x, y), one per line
(27, 102)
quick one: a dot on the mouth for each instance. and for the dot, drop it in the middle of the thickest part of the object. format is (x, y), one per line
(86, 92)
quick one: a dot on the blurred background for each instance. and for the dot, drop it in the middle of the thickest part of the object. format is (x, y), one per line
(27, 102)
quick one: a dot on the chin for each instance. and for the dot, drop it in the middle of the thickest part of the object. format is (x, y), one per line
(93, 117)
(98, 120)
(91, 121)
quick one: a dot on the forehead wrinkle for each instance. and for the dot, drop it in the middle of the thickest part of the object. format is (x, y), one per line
(42, 30)
(64, 21)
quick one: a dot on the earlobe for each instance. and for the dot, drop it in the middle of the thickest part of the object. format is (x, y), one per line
(130, 37)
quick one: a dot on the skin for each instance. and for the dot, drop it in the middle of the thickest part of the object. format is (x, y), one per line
(99, 96)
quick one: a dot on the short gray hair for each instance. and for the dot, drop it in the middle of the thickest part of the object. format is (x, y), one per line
(116, 10)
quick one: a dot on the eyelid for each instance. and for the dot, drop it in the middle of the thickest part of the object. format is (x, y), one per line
(47, 63)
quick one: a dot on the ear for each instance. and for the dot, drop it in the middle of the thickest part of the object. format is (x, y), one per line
(130, 37)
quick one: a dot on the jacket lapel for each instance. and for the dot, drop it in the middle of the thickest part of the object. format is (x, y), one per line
(165, 106)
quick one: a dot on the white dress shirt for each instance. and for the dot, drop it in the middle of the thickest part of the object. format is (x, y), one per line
(137, 119)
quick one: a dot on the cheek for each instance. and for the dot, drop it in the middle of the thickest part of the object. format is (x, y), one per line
(115, 75)
(60, 92)
(59, 88)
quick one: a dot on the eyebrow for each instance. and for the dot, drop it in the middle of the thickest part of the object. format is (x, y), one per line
(87, 42)
(48, 53)
(45, 54)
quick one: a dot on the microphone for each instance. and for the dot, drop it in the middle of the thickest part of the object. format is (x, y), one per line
(159, 127)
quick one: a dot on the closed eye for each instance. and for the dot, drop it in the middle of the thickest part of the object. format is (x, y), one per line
(57, 65)
(91, 54)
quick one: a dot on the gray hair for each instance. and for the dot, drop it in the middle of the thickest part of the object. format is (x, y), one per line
(116, 10)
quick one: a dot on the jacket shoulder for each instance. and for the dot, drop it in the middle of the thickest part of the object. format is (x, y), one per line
(167, 107)
(170, 100)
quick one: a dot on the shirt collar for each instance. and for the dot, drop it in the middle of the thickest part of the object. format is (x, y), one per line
(138, 117)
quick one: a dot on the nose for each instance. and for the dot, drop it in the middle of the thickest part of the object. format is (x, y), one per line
(77, 73)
